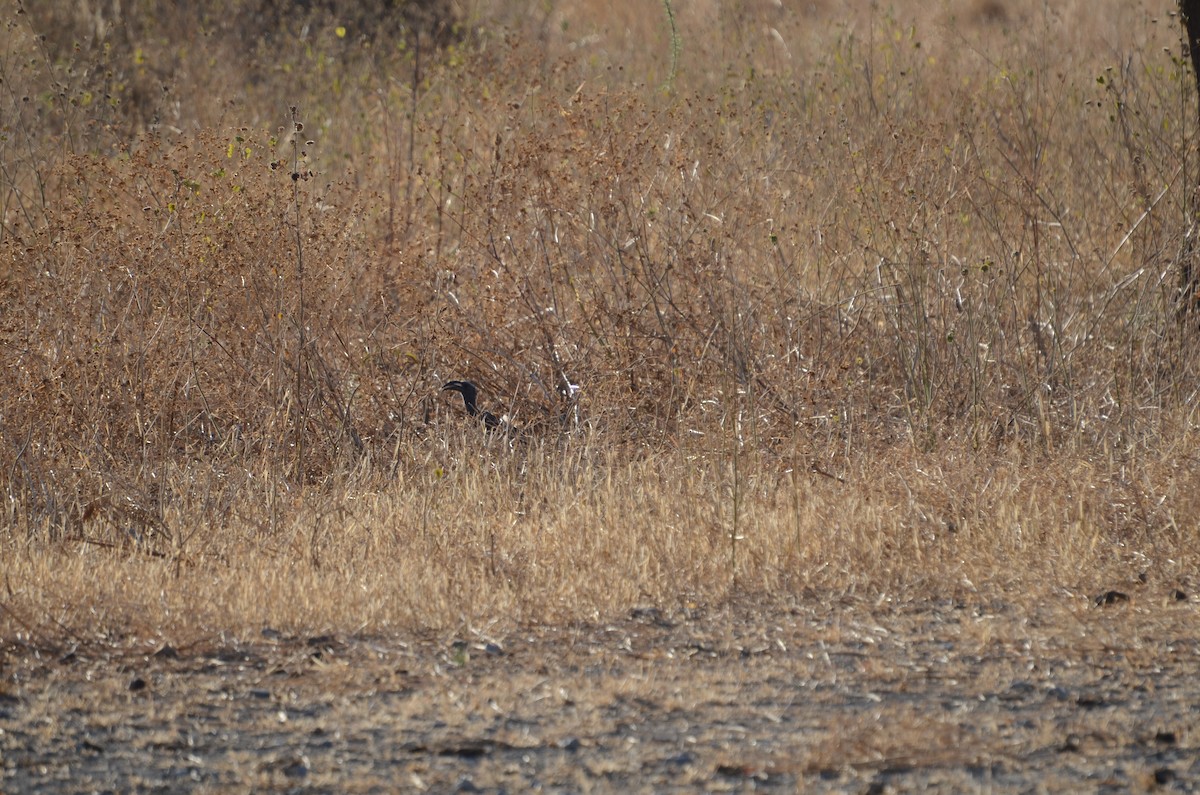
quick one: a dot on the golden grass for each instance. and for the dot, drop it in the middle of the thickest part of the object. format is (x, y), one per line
(859, 301)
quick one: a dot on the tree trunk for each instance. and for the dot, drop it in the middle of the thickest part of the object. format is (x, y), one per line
(1189, 290)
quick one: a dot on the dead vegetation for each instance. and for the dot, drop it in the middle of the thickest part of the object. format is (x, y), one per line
(867, 302)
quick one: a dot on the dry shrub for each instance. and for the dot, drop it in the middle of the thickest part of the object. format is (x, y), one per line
(884, 304)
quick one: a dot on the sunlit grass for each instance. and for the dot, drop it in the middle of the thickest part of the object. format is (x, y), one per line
(857, 301)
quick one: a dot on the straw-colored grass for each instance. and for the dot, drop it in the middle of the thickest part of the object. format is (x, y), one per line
(859, 299)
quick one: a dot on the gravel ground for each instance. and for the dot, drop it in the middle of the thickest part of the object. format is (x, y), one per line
(854, 697)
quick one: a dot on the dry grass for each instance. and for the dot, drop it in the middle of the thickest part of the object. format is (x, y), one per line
(859, 301)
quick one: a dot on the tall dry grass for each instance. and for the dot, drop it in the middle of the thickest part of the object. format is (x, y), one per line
(858, 301)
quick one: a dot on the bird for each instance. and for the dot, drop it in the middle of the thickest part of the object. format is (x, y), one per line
(469, 393)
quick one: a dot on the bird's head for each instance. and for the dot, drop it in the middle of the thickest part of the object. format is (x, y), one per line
(469, 392)
(465, 388)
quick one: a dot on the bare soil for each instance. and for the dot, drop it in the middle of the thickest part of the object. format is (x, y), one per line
(1071, 693)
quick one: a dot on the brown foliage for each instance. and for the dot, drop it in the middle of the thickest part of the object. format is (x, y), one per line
(781, 255)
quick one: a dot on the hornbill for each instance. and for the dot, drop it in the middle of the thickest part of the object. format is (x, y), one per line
(469, 392)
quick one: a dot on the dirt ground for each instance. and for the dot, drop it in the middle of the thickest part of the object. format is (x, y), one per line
(1060, 695)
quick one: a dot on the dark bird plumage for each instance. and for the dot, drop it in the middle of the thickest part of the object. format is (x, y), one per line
(470, 393)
